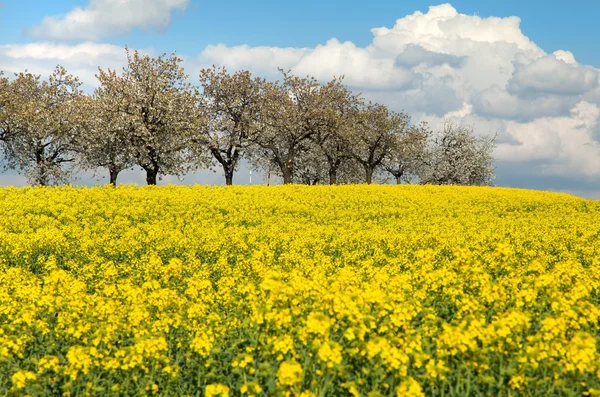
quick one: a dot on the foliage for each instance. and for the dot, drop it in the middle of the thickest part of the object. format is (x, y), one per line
(160, 106)
(290, 113)
(40, 123)
(375, 131)
(149, 115)
(406, 157)
(106, 141)
(457, 156)
(329, 156)
(5, 104)
(231, 105)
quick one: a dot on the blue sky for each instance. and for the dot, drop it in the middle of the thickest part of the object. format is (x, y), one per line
(534, 81)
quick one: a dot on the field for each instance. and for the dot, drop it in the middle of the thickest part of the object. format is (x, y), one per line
(299, 291)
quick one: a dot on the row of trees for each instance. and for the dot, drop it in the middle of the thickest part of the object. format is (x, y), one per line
(149, 115)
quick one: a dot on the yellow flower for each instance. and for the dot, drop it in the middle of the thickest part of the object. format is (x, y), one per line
(330, 354)
(359, 280)
(243, 361)
(289, 373)
(48, 363)
(20, 378)
(436, 369)
(409, 388)
(202, 344)
(251, 388)
(173, 371)
(318, 323)
(216, 390)
(517, 381)
(307, 393)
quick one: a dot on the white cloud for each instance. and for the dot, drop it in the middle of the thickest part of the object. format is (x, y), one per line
(81, 60)
(475, 52)
(566, 143)
(565, 56)
(102, 18)
(359, 65)
(444, 30)
(85, 52)
(414, 55)
(257, 59)
(496, 102)
(551, 74)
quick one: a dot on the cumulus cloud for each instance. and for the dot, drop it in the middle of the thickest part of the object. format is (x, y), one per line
(414, 55)
(430, 97)
(435, 65)
(567, 141)
(102, 18)
(496, 102)
(444, 30)
(474, 52)
(552, 74)
(565, 56)
(359, 65)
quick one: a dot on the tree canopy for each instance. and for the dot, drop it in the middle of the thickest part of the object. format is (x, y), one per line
(149, 114)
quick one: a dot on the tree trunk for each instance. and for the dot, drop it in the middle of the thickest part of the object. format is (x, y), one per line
(228, 175)
(369, 175)
(287, 176)
(41, 179)
(398, 179)
(228, 161)
(332, 176)
(40, 169)
(113, 176)
(151, 174)
(287, 171)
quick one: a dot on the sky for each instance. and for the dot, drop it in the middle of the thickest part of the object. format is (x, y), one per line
(525, 71)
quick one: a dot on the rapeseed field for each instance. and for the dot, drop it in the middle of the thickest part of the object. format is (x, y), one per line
(298, 291)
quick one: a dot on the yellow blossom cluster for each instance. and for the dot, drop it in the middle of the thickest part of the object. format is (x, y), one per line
(298, 291)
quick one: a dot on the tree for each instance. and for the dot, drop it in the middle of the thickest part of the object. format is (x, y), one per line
(286, 116)
(456, 156)
(108, 131)
(301, 115)
(373, 135)
(336, 103)
(231, 104)
(5, 104)
(407, 152)
(311, 165)
(43, 118)
(350, 172)
(158, 105)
